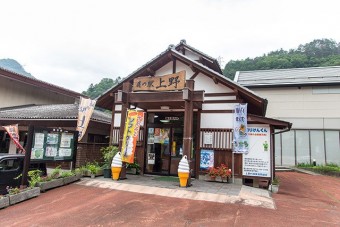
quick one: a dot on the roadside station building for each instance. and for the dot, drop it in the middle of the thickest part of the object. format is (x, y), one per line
(188, 107)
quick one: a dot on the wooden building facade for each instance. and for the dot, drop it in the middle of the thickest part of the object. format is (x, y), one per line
(184, 96)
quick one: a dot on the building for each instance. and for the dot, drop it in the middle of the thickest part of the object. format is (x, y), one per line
(185, 97)
(28, 101)
(310, 99)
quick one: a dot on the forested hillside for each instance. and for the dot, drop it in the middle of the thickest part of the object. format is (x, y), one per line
(96, 90)
(320, 52)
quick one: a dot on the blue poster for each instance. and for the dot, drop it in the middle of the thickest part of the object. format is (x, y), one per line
(240, 129)
(207, 159)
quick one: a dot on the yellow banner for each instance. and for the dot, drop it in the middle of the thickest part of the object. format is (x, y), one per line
(86, 107)
(131, 132)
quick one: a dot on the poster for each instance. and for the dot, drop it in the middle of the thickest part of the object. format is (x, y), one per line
(151, 158)
(241, 144)
(39, 139)
(151, 138)
(157, 135)
(51, 151)
(85, 110)
(208, 138)
(65, 140)
(37, 153)
(52, 138)
(65, 152)
(164, 135)
(131, 133)
(207, 159)
(257, 162)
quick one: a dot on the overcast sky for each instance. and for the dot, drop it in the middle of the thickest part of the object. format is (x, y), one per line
(74, 43)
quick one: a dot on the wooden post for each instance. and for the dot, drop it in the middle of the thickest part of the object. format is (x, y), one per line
(112, 122)
(27, 160)
(188, 121)
(125, 105)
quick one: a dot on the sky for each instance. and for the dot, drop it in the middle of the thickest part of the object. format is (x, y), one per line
(73, 43)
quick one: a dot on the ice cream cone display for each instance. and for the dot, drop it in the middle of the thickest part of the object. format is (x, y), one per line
(183, 171)
(116, 166)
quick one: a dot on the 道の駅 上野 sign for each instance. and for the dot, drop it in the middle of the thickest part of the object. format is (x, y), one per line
(160, 83)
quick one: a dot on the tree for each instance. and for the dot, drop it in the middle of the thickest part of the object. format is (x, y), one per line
(319, 52)
(94, 91)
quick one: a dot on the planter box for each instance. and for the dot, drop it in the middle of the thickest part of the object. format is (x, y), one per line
(131, 171)
(68, 180)
(24, 195)
(274, 188)
(88, 174)
(4, 202)
(50, 184)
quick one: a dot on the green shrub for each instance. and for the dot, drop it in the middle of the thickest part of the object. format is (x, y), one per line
(34, 177)
(108, 154)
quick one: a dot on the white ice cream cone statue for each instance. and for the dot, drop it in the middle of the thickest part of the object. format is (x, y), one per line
(116, 166)
(183, 171)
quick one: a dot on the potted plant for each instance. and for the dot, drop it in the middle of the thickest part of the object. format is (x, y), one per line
(224, 172)
(274, 187)
(108, 154)
(132, 168)
(213, 173)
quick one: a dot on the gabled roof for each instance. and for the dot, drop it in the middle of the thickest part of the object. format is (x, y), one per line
(256, 104)
(38, 83)
(51, 112)
(206, 59)
(290, 77)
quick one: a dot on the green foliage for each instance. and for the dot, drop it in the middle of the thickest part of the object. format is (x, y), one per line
(56, 172)
(276, 181)
(67, 174)
(132, 165)
(105, 84)
(34, 177)
(320, 52)
(331, 168)
(108, 154)
(12, 191)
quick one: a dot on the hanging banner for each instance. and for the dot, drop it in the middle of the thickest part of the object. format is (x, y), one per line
(257, 162)
(131, 132)
(13, 132)
(240, 129)
(85, 110)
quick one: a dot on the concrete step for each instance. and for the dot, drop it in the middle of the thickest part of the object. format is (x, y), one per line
(283, 169)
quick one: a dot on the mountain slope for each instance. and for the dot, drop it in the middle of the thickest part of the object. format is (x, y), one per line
(14, 66)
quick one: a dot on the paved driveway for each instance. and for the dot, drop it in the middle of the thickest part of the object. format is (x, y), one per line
(303, 200)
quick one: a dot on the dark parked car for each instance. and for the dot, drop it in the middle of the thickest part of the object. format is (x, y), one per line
(11, 166)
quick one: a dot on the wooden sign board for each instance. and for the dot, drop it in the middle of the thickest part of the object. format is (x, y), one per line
(160, 83)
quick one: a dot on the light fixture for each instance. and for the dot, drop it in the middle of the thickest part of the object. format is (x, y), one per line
(164, 121)
(155, 116)
(165, 108)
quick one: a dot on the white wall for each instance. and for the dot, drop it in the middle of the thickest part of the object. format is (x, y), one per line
(207, 84)
(216, 120)
(13, 93)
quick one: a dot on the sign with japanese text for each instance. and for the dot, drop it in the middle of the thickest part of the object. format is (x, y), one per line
(131, 132)
(85, 110)
(160, 83)
(240, 129)
(256, 162)
(13, 132)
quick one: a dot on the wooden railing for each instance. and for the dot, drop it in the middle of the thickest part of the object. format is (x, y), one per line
(221, 138)
(116, 133)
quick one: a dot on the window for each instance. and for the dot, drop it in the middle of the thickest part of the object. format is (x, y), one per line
(9, 164)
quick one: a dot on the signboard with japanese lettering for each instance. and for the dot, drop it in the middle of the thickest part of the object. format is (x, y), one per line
(240, 129)
(256, 162)
(160, 83)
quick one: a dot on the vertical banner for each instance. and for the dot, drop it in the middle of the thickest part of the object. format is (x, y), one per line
(131, 132)
(85, 110)
(240, 129)
(13, 132)
(257, 162)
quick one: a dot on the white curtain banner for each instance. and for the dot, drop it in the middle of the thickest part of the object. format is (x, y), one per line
(241, 144)
(86, 107)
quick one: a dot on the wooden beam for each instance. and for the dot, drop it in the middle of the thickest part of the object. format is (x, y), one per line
(174, 65)
(112, 121)
(150, 71)
(224, 101)
(193, 68)
(217, 111)
(220, 94)
(161, 97)
(194, 76)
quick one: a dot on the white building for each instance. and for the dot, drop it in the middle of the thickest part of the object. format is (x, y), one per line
(310, 99)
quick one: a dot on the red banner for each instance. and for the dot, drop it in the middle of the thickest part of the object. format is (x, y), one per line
(13, 132)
